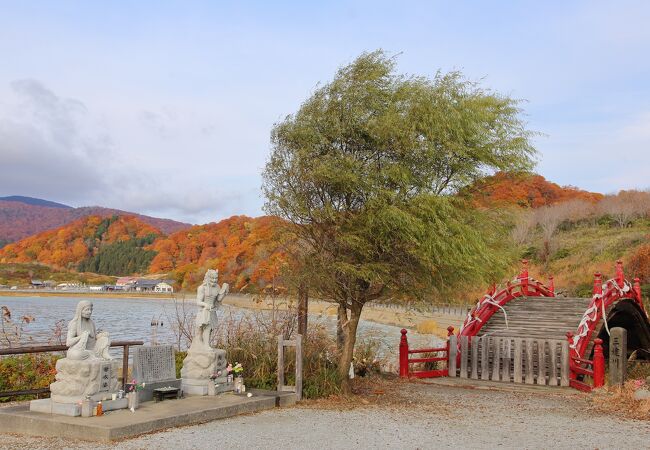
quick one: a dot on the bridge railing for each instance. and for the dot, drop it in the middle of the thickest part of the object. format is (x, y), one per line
(583, 369)
(405, 360)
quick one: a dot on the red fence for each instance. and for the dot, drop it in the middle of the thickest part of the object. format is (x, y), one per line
(405, 362)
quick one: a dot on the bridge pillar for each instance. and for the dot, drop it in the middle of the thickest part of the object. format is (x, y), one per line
(617, 356)
(599, 364)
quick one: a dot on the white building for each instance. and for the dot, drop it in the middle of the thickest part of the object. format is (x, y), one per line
(163, 286)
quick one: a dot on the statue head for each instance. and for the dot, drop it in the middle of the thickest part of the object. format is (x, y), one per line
(211, 277)
(84, 310)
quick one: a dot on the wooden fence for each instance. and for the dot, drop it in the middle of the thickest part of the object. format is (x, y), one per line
(509, 359)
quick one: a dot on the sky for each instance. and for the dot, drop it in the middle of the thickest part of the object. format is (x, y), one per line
(165, 108)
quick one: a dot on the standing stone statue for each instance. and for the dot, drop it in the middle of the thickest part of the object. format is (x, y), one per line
(87, 370)
(203, 361)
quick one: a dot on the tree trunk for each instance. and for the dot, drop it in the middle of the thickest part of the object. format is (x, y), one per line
(342, 320)
(303, 306)
(349, 339)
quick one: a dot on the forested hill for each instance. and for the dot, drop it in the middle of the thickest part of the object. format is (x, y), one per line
(19, 219)
(247, 251)
(113, 245)
(527, 190)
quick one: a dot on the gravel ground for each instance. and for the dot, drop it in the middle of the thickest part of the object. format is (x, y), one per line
(427, 416)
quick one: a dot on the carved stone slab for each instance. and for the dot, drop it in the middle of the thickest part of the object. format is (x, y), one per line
(156, 363)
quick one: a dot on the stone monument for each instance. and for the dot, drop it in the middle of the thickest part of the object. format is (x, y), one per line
(154, 366)
(87, 371)
(203, 363)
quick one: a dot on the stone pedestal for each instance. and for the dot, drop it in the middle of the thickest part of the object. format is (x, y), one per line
(198, 366)
(75, 380)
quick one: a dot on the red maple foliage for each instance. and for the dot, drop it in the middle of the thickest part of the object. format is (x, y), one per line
(525, 190)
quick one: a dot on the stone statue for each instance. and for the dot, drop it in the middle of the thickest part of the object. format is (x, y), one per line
(203, 363)
(87, 370)
(82, 340)
(209, 297)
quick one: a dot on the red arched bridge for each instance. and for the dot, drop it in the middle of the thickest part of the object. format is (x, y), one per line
(524, 333)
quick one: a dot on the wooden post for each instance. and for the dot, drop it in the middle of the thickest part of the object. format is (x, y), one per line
(474, 375)
(529, 362)
(280, 363)
(541, 363)
(463, 356)
(517, 377)
(599, 363)
(453, 354)
(617, 356)
(564, 364)
(496, 359)
(403, 355)
(485, 358)
(552, 368)
(505, 376)
(125, 367)
(299, 367)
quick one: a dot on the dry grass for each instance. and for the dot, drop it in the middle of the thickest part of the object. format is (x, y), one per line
(620, 401)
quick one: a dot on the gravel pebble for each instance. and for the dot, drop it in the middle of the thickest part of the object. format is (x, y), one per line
(438, 417)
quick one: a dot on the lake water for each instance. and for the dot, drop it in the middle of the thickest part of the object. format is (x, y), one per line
(131, 318)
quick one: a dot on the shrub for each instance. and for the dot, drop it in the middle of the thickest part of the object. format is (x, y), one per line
(24, 372)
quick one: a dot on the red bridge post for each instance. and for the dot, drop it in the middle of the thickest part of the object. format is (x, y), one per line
(403, 355)
(524, 276)
(551, 285)
(598, 284)
(637, 288)
(599, 364)
(620, 276)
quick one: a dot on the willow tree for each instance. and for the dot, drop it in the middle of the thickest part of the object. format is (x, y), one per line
(366, 173)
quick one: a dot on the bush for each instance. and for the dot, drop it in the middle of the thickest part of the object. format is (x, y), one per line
(24, 372)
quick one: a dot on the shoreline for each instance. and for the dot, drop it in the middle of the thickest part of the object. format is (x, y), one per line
(423, 323)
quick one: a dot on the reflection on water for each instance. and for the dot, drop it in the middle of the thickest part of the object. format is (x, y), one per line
(131, 318)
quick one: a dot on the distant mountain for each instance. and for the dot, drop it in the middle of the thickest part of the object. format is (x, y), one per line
(34, 201)
(107, 245)
(19, 219)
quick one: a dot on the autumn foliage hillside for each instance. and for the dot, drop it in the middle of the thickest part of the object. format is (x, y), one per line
(80, 241)
(246, 251)
(19, 220)
(525, 190)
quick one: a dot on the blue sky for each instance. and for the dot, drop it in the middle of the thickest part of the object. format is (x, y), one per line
(165, 108)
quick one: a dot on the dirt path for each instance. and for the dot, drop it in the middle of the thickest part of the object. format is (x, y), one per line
(424, 416)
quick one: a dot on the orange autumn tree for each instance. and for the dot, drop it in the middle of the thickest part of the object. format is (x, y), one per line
(245, 250)
(526, 190)
(68, 246)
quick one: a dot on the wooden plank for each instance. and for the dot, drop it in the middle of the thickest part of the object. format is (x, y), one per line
(280, 363)
(485, 360)
(529, 362)
(475, 358)
(541, 363)
(299, 367)
(505, 372)
(517, 378)
(496, 358)
(453, 354)
(552, 368)
(463, 356)
(564, 364)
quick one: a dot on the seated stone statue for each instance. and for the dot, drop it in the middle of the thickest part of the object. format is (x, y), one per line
(82, 340)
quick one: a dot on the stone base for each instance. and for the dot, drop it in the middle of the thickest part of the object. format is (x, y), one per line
(201, 363)
(46, 405)
(75, 380)
(146, 394)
